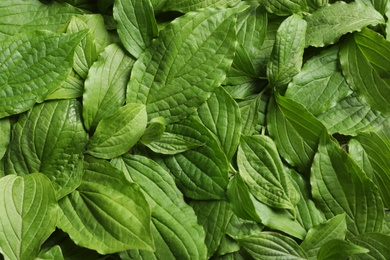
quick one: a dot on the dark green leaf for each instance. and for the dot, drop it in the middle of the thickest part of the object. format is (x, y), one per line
(5, 135)
(339, 249)
(377, 243)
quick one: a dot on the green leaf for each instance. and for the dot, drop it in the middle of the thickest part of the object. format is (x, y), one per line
(334, 228)
(286, 7)
(73, 87)
(214, 216)
(28, 215)
(320, 84)
(34, 64)
(136, 24)
(5, 135)
(271, 245)
(24, 15)
(116, 134)
(181, 69)
(50, 139)
(379, 5)
(327, 24)
(239, 227)
(339, 185)
(154, 130)
(200, 173)
(107, 213)
(372, 152)
(221, 115)
(363, 58)
(105, 87)
(287, 53)
(176, 232)
(339, 249)
(295, 131)
(54, 253)
(173, 143)
(185, 6)
(377, 243)
(351, 116)
(253, 111)
(261, 168)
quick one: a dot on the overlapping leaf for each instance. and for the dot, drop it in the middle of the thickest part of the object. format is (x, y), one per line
(5, 135)
(186, 6)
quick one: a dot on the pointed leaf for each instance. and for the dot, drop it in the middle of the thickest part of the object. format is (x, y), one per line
(328, 23)
(116, 134)
(28, 215)
(181, 69)
(53, 253)
(337, 249)
(170, 144)
(253, 111)
(154, 130)
(107, 213)
(377, 243)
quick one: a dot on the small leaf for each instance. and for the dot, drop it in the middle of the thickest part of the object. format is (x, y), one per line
(172, 143)
(253, 113)
(28, 215)
(154, 130)
(286, 7)
(287, 53)
(328, 23)
(185, 6)
(339, 249)
(116, 134)
(107, 213)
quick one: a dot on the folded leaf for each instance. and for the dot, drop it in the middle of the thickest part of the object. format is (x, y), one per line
(28, 215)
(328, 23)
(339, 249)
(176, 232)
(34, 65)
(181, 69)
(50, 139)
(116, 134)
(154, 130)
(107, 213)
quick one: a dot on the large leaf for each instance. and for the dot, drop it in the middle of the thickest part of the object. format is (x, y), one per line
(320, 84)
(136, 24)
(181, 69)
(377, 243)
(175, 230)
(5, 135)
(295, 131)
(287, 53)
(34, 64)
(327, 24)
(364, 61)
(105, 87)
(261, 168)
(28, 215)
(107, 213)
(116, 134)
(50, 139)
(24, 15)
(221, 115)
(340, 186)
(271, 245)
(186, 6)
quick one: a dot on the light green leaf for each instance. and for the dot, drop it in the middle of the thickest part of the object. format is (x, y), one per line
(107, 213)
(239, 227)
(364, 61)
(286, 7)
(28, 215)
(334, 228)
(181, 69)
(73, 87)
(200, 173)
(154, 130)
(185, 6)
(320, 84)
(173, 143)
(271, 245)
(261, 168)
(105, 87)
(372, 152)
(287, 53)
(253, 111)
(5, 135)
(176, 232)
(340, 186)
(34, 64)
(136, 24)
(54, 253)
(50, 139)
(25, 15)
(116, 134)
(327, 24)
(214, 216)
(379, 5)
(295, 131)
(339, 249)
(221, 115)
(377, 243)
(351, 116)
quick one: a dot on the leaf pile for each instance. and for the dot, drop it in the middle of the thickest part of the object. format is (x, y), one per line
(223, 129)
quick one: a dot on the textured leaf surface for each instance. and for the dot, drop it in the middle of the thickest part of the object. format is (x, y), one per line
(192, 5)
(185, 64)
(286, 7)
(327, 24)
(377, 243)
(5, 135)
(28, 215)
(336, 249)
(34, 64)
(176, 232)
(107, 213)
(50, 139)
